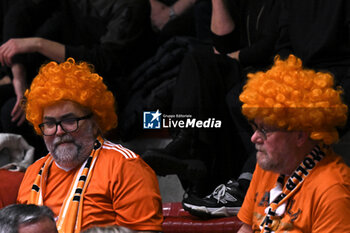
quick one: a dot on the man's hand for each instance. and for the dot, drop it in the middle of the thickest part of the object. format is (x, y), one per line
(16, 46)
(48, 48)
(159, 14)
(234, 55)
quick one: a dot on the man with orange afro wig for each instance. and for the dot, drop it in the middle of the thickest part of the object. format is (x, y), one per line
(85, 179)
(299, 184)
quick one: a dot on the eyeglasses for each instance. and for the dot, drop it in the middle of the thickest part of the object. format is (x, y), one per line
(261, 130)
(68, 125)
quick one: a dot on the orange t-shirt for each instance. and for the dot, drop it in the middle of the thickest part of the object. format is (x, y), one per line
(322, 204)
(123, 190)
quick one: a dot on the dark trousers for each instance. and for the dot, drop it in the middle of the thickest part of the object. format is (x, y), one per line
(204, 81)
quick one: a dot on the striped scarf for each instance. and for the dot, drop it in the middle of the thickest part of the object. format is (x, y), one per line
(70, 216)
(292, 185)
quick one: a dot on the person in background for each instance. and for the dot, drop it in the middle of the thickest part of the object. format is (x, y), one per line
(317, 33)
(85, 179)
(299, 183)
(20, 218)
(206, 159)
(116, 36)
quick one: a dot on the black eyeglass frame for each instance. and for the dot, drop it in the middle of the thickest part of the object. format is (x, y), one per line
(263, 132)
(77, 119)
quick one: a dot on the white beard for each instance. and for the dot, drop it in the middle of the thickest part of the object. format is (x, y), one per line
(69, 151)
(66, 153)
(71, 154)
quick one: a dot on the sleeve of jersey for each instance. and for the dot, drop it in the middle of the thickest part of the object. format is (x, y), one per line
(245, 214)
(333, 210)
(137, 201)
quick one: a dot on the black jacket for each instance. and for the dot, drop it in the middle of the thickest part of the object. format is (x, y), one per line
(121, 32)
(114, 35)
(316, 31)
(256, 31)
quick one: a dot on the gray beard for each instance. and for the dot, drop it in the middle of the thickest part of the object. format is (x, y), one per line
(64, 154)
(69, 155)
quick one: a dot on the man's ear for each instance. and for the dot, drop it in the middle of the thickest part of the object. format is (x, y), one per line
(302, 138)
(96, 128)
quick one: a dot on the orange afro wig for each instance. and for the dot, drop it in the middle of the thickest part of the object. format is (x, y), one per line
(70, 81)
(293, 98)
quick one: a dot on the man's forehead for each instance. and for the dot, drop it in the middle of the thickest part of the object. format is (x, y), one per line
(261, 124)
(64, 108)
(43, 225)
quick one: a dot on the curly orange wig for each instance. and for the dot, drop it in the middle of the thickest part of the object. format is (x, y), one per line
(293, 98)
(74, 82)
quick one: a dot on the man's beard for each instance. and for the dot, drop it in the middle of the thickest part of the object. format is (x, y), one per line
(70, 153)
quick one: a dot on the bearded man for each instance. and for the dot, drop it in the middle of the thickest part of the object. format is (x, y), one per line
(299, 183)
(85, 179)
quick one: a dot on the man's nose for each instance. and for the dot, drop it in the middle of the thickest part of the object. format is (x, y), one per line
(60, 130)
(256, 138)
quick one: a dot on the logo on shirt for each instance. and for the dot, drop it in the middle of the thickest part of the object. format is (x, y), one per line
(152, 120)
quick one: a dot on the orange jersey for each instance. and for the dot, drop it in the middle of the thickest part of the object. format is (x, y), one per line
(123, 190)
(322, 204)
